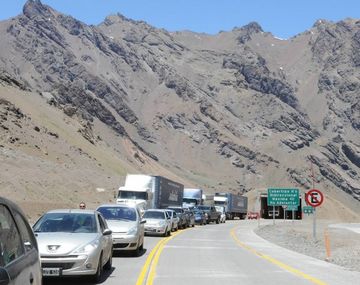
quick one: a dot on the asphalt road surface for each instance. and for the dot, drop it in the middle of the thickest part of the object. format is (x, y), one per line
(218, 254)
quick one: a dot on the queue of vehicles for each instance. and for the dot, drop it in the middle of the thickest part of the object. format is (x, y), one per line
(81, 242)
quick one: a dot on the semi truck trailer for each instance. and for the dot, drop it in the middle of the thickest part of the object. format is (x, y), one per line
(150, 192)
(235, 205)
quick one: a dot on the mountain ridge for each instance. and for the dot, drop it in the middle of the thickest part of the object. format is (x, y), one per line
(187, 105)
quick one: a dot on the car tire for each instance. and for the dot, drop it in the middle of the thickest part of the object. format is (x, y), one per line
(108, 264)
(165, 233)
(99, 272)
(218, 220)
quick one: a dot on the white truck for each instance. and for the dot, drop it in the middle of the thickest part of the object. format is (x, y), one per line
(150, 192)
(192, 197)
(235, 205)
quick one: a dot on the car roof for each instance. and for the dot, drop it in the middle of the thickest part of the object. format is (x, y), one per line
(156, 210)
(72, 211)
(12, 206)
(117, 206)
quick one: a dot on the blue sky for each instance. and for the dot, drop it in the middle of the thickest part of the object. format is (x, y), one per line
(283, 18)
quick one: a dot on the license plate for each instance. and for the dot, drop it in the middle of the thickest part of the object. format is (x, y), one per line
(51, 271)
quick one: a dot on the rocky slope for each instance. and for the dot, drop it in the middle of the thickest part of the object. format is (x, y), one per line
(236, 111)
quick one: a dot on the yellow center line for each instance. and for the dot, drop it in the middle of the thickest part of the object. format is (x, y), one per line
(275, 261)
(152, 262)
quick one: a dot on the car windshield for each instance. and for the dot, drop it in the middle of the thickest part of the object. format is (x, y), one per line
(154, 215)
(118, 213)
(133, 195)
(206, 208)
(177, 210)
(219, 209)
(66, 222)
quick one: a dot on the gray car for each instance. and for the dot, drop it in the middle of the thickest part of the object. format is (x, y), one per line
(157, 222)
(19, 254)
(126, 225)
(174, 219)
(74, 242)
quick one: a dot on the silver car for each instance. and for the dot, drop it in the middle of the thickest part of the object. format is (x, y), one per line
(157, 222)
(74, 242)
(174, 219)
(126, 225)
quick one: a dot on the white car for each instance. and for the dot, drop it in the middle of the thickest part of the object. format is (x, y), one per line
(221, 209)
(126, 225)
(174, 219)
(74, 242)
(157, 222)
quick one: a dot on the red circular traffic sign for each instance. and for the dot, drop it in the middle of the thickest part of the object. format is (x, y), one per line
(314, 198)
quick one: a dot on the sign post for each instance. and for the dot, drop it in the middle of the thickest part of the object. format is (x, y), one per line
(314, 198)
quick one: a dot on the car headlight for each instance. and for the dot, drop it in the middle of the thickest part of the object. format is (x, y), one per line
(88, 247)
(132, 231)
(162, 223)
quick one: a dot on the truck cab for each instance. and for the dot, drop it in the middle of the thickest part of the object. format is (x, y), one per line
(134, 197)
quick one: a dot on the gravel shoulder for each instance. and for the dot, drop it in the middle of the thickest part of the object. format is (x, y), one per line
(344, 244)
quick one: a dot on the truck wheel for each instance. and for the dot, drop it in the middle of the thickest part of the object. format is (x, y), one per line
(218, 220)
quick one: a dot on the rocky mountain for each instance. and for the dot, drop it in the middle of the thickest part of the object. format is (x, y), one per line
(236, 111)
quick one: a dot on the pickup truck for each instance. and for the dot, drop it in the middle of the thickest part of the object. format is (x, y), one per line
(211, 214)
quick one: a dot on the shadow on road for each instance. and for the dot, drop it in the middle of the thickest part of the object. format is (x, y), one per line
(128, 254)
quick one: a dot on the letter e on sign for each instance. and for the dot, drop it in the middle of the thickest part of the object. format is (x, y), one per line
(314, 198)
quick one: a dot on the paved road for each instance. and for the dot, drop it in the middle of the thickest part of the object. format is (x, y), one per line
(354, 227)
(219, 254)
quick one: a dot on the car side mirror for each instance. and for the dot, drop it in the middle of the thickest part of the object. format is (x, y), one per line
(4, 276)
(107, 232)
(28, 246)
(142, 221)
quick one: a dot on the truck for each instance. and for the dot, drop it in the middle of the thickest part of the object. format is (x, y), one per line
(207, 199)
(192, 197)
(150, 192)
(235, 205)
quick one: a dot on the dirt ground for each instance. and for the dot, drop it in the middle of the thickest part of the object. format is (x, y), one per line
(335, 245)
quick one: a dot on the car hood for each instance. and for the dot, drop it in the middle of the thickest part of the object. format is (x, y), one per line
(62, 243)
(154, 221)
(120, 226)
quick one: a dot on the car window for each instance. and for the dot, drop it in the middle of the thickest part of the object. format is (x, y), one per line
(25, 232)
(66, 222)
(118, 213)
(154, 215)
(11, 247)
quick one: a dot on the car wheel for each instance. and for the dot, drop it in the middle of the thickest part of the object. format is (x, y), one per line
(169, 233)
(108, 264)
(218, 220)
(165, 232)
(97, 277)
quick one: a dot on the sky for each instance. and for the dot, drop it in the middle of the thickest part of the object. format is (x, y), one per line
(283, 18)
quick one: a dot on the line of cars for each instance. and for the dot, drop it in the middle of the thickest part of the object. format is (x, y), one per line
(78, 242)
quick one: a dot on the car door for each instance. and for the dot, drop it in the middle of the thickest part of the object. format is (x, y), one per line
(19, 259)
(141, 225)
(106, 240)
